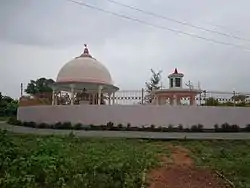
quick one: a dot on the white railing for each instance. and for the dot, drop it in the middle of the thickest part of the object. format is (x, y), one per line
(128, 97)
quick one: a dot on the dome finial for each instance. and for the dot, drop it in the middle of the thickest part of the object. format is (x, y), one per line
(86, 50)
(175, 71)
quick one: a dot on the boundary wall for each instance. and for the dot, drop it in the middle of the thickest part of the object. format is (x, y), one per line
(136, 115)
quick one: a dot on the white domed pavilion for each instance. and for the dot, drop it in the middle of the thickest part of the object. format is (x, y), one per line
(86, 77)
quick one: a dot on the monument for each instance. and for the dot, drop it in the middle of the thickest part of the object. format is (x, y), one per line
(175, 92)
(86, 79)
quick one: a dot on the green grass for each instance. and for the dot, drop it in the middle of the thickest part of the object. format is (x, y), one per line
(52, 161)
(32, 161)
(231, 158)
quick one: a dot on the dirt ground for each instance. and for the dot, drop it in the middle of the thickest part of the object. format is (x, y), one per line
(179, 171)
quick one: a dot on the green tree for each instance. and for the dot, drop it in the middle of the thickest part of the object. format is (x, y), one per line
(212, 102)
(153, 84)
(39, 86)
(8, 106)
(239, 98)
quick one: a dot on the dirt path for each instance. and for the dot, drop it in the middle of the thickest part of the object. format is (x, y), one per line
(179, 171)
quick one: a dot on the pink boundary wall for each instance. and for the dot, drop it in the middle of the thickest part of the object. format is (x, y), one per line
(137, 115)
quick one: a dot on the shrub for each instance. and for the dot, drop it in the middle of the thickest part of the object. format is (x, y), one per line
(43, 126)
(152, 127)
(128, 127)
(216, 128)
(29, 124)
(229, 128)
(120, 126)
(235, 128)
(225, 127)
(58, 125)
(194, 128)
(77, 126)
(180, 127)
(200, 127)
(110, 125)
(161, 129)
(247, 128)
(170, 128)
(87, 127)
(14, 121)
(66, 125)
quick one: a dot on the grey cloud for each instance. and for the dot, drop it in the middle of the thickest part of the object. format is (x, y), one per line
(46, 34)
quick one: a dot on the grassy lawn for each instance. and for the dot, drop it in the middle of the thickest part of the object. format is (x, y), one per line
(231, 158)
(33, 161)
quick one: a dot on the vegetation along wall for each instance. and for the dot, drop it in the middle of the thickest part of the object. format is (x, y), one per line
(136, 115)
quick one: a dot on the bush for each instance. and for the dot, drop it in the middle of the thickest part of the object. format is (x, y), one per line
(29, 124)
(216, 128)
(66, 125)
(120, 126)
(43, 126)
(152, 127)
(170, 128)
(235, 128)
(200, 127)
(247, 128)
(58, 125)
(229, 128)
(161, 129)
(225, 127)
(128, 127)
(180, 127)
(110, 125)
(197, 128)
(87, 127)
(194, 128)
(78, 126)
(14, 121)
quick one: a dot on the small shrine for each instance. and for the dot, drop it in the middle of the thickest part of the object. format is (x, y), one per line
(176, 92)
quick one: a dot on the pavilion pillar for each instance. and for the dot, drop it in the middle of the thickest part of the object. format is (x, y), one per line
(93, 98)
(72, 90)
(171, 100)
(174, 100)
(56, 99)
(99, 94)
(157, 100)
(192, 100)
(178, 98)
(53, 97)
(113, 98)
(109, 95)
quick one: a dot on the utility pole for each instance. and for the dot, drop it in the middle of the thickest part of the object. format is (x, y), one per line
(234, 97)
(205, 96)
(21, 89)
(142, 96)
(199, 87)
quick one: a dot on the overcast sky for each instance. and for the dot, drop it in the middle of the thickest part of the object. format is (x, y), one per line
(37, 37)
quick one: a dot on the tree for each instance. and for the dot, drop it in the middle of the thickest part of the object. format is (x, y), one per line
(39, 87)
(8, 106)
(239, 98)
(212, 102)
(152, 85)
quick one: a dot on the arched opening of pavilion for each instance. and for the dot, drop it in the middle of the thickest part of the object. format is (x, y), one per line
(84, 80)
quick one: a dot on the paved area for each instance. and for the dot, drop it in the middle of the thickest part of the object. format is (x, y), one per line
(127, 134)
